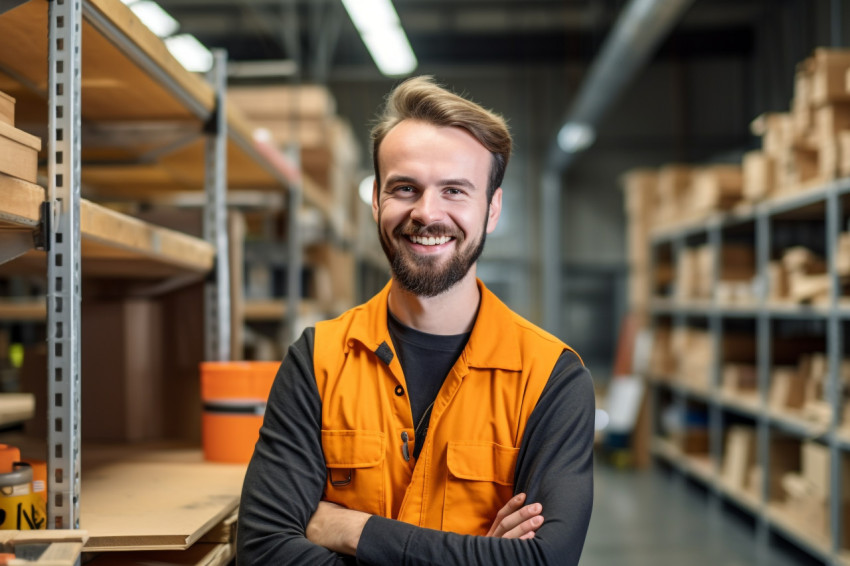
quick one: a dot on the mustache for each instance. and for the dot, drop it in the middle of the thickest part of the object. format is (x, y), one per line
(435, 230)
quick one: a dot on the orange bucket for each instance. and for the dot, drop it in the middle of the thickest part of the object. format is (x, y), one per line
(234, 396)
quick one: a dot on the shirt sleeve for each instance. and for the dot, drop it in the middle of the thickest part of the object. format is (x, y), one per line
(554, 468)
(286, 477)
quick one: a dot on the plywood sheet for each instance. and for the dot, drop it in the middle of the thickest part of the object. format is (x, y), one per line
(158, 503)
(199, 554)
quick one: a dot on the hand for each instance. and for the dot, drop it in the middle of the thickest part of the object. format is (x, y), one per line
(336, 528)
(515, 521)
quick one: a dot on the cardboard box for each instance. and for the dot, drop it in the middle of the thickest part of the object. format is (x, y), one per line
(787, 389)
(716, 188)
(674, 182)
(842, 256)
(122, 370)
(740, 378)
(759, 171)
(7, 109)
(829, 78)
(18, 153)
(281, 101)
(739, 456)
(844, 154)
(784, 458)
(693, 440)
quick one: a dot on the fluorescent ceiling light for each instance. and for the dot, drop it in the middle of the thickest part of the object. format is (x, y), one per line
(575, 137)
(190, 52)
(390, 50)
(152, 15)
(379, 27)
(371, 14)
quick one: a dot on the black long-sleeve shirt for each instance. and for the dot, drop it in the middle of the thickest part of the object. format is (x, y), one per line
(287, 474)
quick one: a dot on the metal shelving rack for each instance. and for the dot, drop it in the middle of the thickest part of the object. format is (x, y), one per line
(59, 231)
(835, 317)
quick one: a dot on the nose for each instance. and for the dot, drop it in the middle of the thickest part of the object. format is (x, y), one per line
(428, 208)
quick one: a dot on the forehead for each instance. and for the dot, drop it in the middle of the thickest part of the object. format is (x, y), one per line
(420, 145)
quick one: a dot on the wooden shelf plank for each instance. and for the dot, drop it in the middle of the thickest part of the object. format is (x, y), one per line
(114, 87)
(16, 407)
(259, 310)
(199, 554)
(21, 310)
(113, 244)
(155, 499)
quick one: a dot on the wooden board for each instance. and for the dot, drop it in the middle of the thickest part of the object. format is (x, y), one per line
(18, 153)
(199, 554)
(114, 88)
(165, 501)
(23, 310)
(111, 242)
(16, 407)
(7, 109)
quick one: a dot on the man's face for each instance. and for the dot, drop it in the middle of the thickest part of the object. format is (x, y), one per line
(432, 209)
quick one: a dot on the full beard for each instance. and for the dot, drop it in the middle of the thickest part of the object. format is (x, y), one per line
(422, 275)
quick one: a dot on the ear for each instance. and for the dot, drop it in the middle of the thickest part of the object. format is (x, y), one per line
(494, 210)
(375, 196)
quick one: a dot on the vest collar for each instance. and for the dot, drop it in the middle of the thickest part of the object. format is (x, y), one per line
(494, 342)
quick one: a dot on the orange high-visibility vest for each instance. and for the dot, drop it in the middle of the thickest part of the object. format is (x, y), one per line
(465, 472)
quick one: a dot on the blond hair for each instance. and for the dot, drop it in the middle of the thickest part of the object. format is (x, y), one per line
(420, 98)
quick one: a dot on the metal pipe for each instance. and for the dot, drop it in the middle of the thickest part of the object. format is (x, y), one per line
(638, 31)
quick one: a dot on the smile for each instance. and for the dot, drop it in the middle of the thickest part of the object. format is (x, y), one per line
(429, 240)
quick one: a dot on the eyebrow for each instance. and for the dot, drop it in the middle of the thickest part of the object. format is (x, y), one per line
(458, 182)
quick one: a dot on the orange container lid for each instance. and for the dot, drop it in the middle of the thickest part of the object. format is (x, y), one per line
(237, 380)
(8, 456)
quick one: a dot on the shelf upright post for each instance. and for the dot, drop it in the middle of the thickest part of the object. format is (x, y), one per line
(63, 264)
(680, 400)
(217, 290)
(763, 358)
(834, 344)
(293, 270)
(715, 327)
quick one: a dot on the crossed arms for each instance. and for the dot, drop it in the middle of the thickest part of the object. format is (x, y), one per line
(285, 481)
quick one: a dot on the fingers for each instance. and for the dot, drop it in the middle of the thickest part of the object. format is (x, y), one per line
(526, 529)
(510, 507)
(516, 521)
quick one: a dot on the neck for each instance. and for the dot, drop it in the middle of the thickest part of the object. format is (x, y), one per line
(452, 312)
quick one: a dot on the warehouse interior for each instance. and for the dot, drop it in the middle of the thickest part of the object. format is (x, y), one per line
(676, 208)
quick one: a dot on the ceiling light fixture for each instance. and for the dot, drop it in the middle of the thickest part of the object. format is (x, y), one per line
(380, 29)
(191, 53)
(154, 17)
(576, 136)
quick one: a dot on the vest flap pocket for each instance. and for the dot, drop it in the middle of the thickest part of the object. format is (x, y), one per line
(353, 448)
(482, 461)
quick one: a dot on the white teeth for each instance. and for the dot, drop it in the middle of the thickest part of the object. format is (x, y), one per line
(429, 241)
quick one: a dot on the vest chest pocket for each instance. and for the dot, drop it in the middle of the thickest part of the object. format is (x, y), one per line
(355, 462)
(480, 481)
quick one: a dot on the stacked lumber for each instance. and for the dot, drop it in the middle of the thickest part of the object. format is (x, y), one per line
(18, 149)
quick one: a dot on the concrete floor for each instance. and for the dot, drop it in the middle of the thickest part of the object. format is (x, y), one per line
(659, 518)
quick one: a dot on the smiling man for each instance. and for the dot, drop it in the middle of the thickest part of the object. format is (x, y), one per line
(430, 425)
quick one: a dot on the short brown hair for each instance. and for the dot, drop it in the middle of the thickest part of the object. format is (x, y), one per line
(420, 98)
